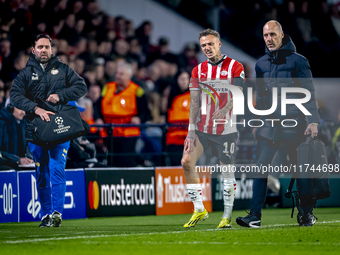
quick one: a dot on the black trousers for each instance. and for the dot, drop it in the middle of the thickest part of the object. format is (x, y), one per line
(266, 150)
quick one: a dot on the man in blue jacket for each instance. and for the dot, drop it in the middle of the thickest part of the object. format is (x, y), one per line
(13, 148)
(281, 67)
(46, 78)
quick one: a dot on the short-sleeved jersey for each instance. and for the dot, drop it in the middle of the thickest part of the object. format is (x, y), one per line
(225, 69)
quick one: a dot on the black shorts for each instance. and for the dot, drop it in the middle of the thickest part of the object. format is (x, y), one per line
(222, 146)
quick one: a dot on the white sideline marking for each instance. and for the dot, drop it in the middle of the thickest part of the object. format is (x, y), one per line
(294, 224)
(162, 233)
(219, 243)
(234, 243)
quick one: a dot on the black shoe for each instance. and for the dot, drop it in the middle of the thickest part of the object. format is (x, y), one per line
(46, 221)
(56, 219)
(307, 220)
(251, 221)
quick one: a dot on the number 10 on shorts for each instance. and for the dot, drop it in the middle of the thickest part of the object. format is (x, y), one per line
(231, 149)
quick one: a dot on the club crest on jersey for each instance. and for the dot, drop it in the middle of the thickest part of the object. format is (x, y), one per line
(54, 71)
(224, 73)
(35, 77)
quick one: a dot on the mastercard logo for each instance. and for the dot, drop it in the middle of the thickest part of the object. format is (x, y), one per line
(93, 195)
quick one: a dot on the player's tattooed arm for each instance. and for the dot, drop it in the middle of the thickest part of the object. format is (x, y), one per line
(191, 138)
(194, 106)
(221, 113)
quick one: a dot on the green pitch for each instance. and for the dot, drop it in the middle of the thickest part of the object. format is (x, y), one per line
(155, 235)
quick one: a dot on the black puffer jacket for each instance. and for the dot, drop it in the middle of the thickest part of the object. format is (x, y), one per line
(12, 145)
(33, 82)
(284, 68)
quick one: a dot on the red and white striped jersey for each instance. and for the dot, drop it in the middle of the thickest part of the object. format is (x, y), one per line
(225, 69)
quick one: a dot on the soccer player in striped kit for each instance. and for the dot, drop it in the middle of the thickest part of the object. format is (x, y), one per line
(203, 132)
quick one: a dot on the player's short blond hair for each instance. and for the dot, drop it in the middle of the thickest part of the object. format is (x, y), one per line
(209, 31)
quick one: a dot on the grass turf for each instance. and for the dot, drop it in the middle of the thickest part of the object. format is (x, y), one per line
(279, 234)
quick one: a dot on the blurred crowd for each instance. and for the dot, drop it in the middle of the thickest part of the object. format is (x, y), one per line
(95, 45)
(313, 25)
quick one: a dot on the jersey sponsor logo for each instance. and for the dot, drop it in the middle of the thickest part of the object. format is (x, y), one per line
(204, 103)
(204, 74)
(7, 197)
(34, 205)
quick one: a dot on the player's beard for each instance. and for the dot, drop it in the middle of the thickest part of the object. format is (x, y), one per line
(43, 60)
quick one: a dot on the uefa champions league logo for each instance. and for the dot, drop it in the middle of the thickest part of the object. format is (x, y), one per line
(61, 128)
(59, 120)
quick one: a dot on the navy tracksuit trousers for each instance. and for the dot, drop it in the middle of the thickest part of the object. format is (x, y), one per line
(50, 174)
(266, 150)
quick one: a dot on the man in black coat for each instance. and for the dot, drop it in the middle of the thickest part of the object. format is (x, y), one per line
(45, 78)
(13, 148)
(281, 67)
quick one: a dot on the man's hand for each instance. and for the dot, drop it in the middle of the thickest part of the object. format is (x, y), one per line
(135, 120)
(190, 141)
(43, 114)
(25, 161)
(312, 129)
(220, 114)
(53, 98)
(254, 132)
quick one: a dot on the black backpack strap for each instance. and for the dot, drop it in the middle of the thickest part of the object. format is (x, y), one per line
(294, 197)
(291, 185)
(291, 194)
